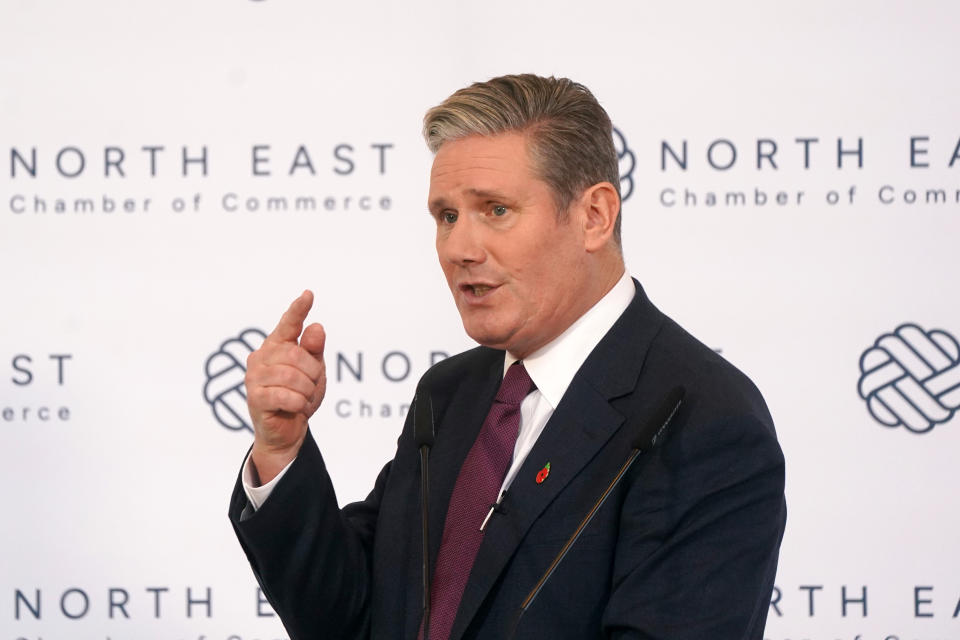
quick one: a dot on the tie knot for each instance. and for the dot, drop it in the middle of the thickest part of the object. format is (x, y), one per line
(516, 385)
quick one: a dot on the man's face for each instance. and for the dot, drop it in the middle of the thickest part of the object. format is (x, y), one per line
(517, 274)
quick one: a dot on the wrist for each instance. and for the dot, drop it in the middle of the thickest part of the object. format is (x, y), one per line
(268, 461)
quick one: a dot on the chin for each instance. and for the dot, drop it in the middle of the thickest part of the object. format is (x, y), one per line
(486, 337)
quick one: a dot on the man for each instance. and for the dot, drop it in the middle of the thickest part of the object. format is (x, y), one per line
(524, 191)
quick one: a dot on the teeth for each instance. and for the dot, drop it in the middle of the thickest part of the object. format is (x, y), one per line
(479, 289)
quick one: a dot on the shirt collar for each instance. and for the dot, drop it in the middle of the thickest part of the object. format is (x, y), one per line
(552, 366)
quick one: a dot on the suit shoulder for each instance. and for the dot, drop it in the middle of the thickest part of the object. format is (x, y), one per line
(723, 429)
(716, 385)
(471, 368)
(462, 365)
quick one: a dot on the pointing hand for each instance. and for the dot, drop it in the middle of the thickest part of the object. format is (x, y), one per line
(286, 381)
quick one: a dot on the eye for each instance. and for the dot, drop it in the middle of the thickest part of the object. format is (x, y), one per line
(448, 217)
(499, 210)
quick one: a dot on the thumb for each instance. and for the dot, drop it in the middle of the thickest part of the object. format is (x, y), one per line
(313, 340)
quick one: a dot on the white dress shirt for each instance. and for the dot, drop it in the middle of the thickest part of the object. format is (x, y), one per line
(551, 368)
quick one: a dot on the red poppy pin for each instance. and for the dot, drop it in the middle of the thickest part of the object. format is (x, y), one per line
(543, 473)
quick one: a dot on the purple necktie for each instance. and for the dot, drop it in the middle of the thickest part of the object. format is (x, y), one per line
(475, 491)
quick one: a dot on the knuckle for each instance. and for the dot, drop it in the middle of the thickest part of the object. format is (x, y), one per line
(289, 377)
(274, 397)
(293, 352)
(256, 399)
(254, 374)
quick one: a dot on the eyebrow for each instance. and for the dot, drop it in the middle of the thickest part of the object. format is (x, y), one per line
(482, 193)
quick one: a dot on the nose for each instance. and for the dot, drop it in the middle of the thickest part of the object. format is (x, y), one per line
(461, 243)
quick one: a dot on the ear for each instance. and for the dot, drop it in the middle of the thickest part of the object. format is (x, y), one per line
(601, 206)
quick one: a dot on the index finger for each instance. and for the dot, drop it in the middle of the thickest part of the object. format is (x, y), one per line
(291, 322)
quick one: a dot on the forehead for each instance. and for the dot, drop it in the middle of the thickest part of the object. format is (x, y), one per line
(482, 163)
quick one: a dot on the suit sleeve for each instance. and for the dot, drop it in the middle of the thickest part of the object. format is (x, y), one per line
(699, 538)
(312, 560)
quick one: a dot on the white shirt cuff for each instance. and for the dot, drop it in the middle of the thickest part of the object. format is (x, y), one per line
(258, 495)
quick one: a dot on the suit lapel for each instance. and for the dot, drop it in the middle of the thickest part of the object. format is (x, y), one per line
(461, 399)
(571, 438)
(458, 429)
(582, 423)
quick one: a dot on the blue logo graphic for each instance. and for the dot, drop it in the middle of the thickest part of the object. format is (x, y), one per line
(627, 164)
(911, 377)
(225, 369)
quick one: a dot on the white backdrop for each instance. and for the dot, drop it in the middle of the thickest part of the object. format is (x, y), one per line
(117, 325)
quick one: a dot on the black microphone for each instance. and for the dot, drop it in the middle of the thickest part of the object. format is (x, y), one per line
(423, 438)
(647, 437)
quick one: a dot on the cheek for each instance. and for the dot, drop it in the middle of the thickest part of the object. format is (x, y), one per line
(558, 276)
(535, 289)
(447, 269)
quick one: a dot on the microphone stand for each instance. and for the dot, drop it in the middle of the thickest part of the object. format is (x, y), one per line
(423, 437)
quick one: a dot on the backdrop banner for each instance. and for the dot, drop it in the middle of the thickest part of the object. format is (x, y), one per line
(173, 174)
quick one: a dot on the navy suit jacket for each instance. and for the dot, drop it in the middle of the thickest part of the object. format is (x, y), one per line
(685, 547)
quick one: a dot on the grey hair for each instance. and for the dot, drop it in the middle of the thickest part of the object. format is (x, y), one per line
(570, 136)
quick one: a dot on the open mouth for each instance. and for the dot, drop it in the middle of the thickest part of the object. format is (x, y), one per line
(478, 290)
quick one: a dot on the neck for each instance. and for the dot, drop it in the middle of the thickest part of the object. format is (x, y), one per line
(603, 275)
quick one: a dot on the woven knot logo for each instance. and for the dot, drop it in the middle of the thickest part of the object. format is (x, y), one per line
(627, 163)
(911, 377)
(224, 390)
